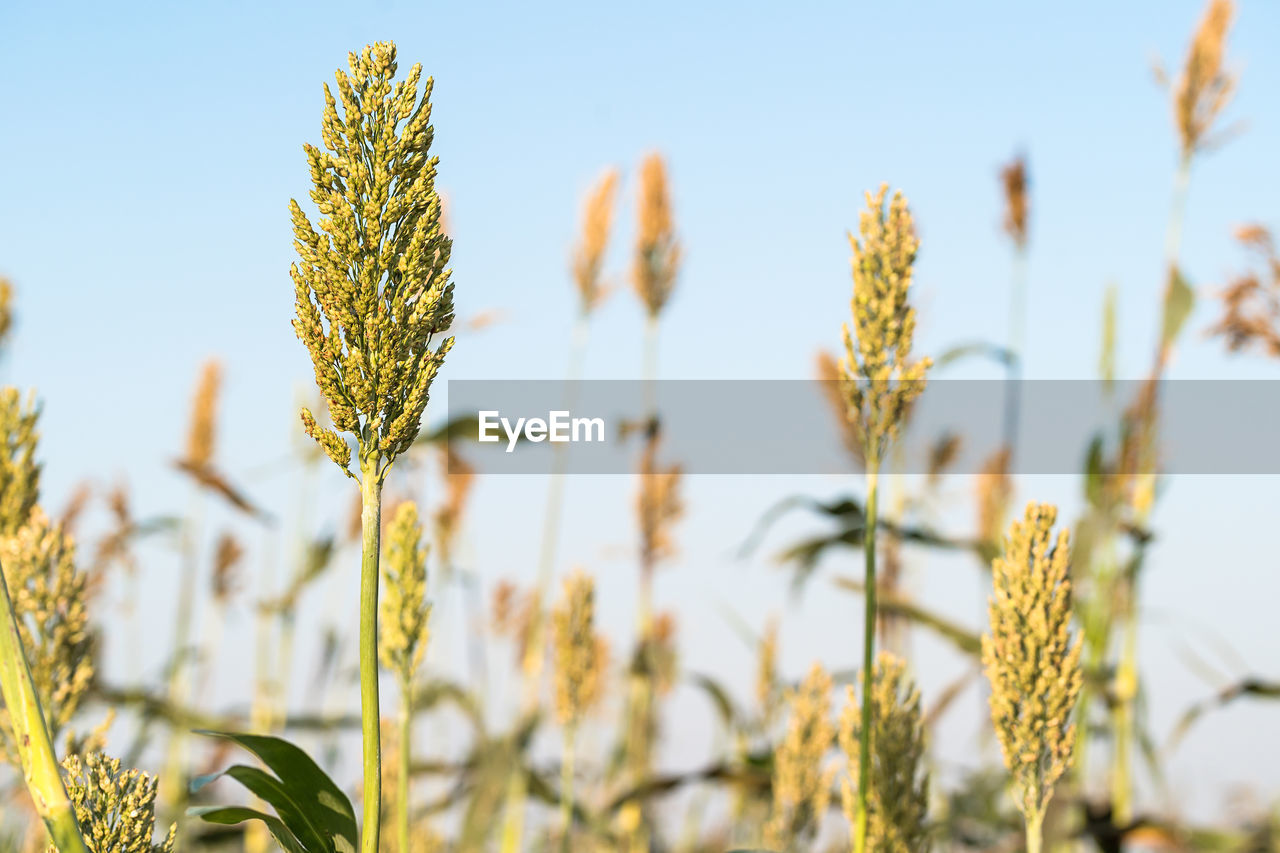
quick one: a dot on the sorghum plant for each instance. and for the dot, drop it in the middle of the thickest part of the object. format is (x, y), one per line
(373, 295)
(116, 808)
(898, 800)
(579, 656)
(402, 640)
(19, 471)
(880, 383)
(801, 785)
(6, 309)
(1032, 662)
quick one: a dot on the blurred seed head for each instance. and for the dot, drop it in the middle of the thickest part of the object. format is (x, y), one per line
(579, 650)
(879, 380)
(658, 252)
(801, 785)
(658, 507)
(372, 286)
(1204, 86)
(115, 807)
(1251, 303)
(898, 802)
(19, 471)
(1013, 177)
(403, 629)
(1030, 657)
(588, 255)
(6, 309)
(227, 555)
(767, 671)
(50, 600)
(994, 491)
(203, 430)
(459, 479)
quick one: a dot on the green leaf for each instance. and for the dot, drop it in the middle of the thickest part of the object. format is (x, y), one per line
(310, 789)
(1179, 299)
(272, 791)
(231, 815)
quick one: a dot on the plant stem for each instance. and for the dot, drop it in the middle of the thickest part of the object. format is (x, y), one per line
(1035, 831)
(40, 768)
(370, 525)
(405, 752)
(566, 785)
(868, 653)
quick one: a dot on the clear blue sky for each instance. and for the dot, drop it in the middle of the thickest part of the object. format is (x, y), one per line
(151, 149)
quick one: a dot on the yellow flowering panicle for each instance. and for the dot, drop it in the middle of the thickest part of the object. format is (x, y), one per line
(1031, 660)
(116, 808)
(202, 433)
(767, 671)
(657, 256)
(658, 507)
(898, 802)
(879, 380)
(403, 634)
(459, 480)
(6, 309)
(1251, 303)
(372, 285)
(1204, 87)
(588, 255)
(50, 602)
(994, 490)
(801, 786)
(19, 472)
(227, 555)
(1014, 179)
(579, 650)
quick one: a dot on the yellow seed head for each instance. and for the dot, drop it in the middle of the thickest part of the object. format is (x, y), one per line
(801, 785)
(203, 431)
(19, 472)
(657, 259)
(767, 671)
(459, 480)
(588, 255)
(578, 649)
(227, 555)
(116, 808)
(658, 507)
(879, 380)
(403, 632)
(50, 598)
(994, 490)
(1204, 86)
(898, 802)
(372, 285)
(1030, 658)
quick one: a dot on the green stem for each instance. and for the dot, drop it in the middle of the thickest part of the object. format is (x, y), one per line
(868, 654)
(405, 753)
(40, 768)
(1035, 832)
(566, 785)
(370, 524)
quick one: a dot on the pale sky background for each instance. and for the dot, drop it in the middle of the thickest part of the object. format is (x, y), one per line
(151, 150)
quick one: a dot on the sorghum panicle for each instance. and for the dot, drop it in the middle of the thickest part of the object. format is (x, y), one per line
(801, 785)
(588, 255)
(403, 634)
(579, 650)
(1030, 658)
(372, 285)
(879, 380)
(116, 808)
(657, 255)
(898, 802)
(1204, 86)
(19, 472)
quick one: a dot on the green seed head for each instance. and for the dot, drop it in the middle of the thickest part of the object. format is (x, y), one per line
(19, 473)
(373, 289)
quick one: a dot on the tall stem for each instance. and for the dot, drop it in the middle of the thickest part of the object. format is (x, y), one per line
(370, 525)
(566, 785)
(1035, 831)
(868, 654)
(40, 768)
(405, 751)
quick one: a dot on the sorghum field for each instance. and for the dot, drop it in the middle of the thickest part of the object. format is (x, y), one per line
(265, 587)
